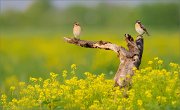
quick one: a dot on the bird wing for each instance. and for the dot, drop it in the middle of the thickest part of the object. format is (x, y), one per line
(142, 26)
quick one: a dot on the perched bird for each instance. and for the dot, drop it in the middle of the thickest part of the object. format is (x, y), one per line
(76, 30)
(140, 28)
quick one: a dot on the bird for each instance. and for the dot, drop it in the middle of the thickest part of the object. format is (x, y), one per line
(76, 30)
(140, 28)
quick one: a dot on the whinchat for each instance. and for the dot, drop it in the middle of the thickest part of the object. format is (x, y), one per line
(140, 28)
(76, 30)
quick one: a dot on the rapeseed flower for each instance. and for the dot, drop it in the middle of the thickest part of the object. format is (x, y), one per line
(64, 74)
(21, 84)
(4, 99)
(150, 86)
(33, 79)
(150, 62)
(148, 94)
(160, 62)
(73, 66)
(139, 102)
(156, 58)
(12, 88)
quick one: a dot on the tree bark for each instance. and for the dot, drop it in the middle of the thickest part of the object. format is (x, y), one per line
(129, 58)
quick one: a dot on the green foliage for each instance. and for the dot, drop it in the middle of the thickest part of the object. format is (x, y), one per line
(161, 15)
(43, 14)
(40, 7)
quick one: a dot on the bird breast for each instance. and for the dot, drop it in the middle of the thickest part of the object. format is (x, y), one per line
(139, 29)
(77, 30)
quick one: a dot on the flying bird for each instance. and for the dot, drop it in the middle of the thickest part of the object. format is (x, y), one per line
(76, 30)
(140, 28)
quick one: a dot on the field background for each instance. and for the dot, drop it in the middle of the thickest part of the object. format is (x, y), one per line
(31, 41)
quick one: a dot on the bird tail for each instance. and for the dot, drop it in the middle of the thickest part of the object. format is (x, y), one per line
(147, 33)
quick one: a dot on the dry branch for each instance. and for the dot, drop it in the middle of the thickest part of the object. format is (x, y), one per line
(128, 58)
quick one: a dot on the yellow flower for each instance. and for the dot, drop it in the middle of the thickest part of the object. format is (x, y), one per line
(40, 79)
(30, 88)
(3, 99)
(148, 68)
(174, 103)
(73, 66)
(150, 62)
(95, 106)
(163, 99)
(86, 73)
(64, 74)
(158, 98)
(156, 58)
(134, 68)
(95, 92)
(33, 79)
(12, 88)
(14, 100)
(160, 62)
(148, 93)
(21, 84)
(41, 96)
(139, 102)
(53, 75)
(173, 65)
(168, 89)
(120, 107)
(175, 72)
(96, 101)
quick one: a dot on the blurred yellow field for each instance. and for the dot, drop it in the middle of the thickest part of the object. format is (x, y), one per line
(39, 55)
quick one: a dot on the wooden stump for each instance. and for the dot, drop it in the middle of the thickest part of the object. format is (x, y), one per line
(129, 58)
